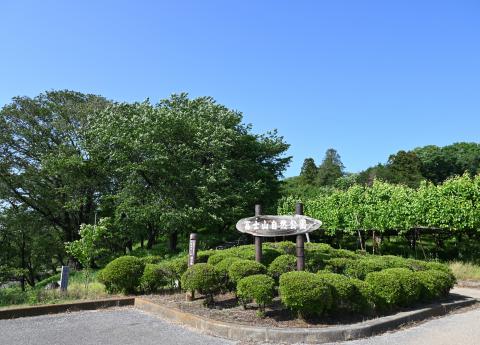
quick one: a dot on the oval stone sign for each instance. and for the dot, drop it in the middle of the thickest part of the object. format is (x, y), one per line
(271, 226)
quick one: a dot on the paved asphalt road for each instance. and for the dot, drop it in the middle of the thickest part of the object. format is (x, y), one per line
(125, 326)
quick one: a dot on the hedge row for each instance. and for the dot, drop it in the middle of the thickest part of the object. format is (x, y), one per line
(335, 280)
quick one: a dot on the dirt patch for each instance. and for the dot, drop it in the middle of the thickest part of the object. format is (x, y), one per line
(227, 309)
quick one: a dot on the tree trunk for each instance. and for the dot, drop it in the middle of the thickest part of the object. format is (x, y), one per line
(172, 241)
(152, 233)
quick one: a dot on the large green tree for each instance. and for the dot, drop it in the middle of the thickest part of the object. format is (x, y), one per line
(45, 163)
(331, 168)
(309, 171)
(186, 165)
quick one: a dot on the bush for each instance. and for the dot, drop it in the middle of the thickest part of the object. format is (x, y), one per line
(222, 268)
(432, 265)
(244, 268)
(122, 274)
(202, 277)
(258, 287)
(152, 259)
(368, 301)
(337, 265)
(284, 247)
(204, 255)
(217, 257)
(282, 264)
(305, 293)
(360, 268)
(343, 290)
(152, 278)
(343, 253)
(397, 286)
(434, 283)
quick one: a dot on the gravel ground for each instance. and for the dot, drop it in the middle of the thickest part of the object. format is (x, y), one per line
(122, 326)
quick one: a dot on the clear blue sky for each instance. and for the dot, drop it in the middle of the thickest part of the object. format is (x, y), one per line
(367, 78)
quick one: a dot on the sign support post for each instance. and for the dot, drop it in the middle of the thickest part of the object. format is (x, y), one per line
(64, 278)
(258, 239)
(300, 247)
(192, 249)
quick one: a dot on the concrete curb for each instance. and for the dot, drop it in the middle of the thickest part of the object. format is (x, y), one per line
(300, 335)
(13, 313)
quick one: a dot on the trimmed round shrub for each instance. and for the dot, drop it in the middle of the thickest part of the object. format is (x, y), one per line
(244, 268)
(360, 268)
(259, 288)
(316, 260)
(153, 278)
(344, 292)
(123, 274)
(397, 286)
(222, 268)
(337, 265)
(432, 265)
(434, 283)
(282, 264)
(305, 293)
(202, 277)
(318, 247)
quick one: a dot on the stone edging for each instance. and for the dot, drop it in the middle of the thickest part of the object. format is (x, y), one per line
(12, 313)
(299, 335)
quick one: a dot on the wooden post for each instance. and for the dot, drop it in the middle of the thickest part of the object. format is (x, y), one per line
(300, 242)
(258, 239)
(64, 278)
(192, 250)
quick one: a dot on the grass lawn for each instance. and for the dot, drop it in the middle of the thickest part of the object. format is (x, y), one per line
(77, 290)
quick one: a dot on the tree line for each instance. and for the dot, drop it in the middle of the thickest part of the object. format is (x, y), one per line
(148, 171)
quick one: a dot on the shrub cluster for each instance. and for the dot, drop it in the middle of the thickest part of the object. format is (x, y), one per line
(122, 274)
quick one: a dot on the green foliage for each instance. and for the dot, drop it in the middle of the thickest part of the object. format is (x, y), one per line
(151, 259)
(368, 301)
(331, 169)
(203, 278)
(305, 293)
(258, 287)
(153, 278)
(434, 283)
(396, 286)
(344, 290)
(309, 171)
(337, 265)
(204, 255)
(382, 206)
(360, 268)
(284, 247)
(244, 268)
(123, 274)
(282, 264)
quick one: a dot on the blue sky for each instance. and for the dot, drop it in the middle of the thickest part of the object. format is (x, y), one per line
(367, 78)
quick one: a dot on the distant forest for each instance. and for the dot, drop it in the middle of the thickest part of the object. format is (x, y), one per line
(431, 163)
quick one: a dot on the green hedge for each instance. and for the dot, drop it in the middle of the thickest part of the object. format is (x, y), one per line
(434, 283)
(305, 293)
(360, 268)
(259, 288)
(122, 274)
(282, 264)
(244, 268)
(344, 291)
(396, 286)
(337, 265)
(283, 247)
